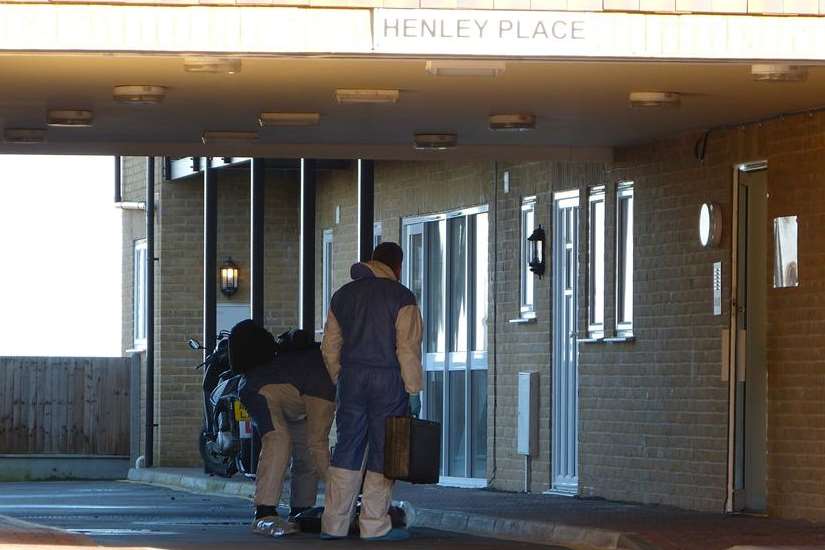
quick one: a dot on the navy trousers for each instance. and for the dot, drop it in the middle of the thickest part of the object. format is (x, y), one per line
(366, 397)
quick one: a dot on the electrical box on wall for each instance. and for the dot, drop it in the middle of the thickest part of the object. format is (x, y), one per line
(528, 408)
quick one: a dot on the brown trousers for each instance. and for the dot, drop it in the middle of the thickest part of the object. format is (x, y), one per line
(301, 431)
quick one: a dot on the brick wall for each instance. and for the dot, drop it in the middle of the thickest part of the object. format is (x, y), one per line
(660, 402)
(336, 189)
(179, 283)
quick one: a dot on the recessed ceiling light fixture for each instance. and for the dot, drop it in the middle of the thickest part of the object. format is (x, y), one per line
(655, 99)
(515, 123)
(143, 94)
(435, 141)
(220, 136)
(778, 73)
(24, 135)
(457, 67)
(367, 96)
(225, 65)
(289, 119)
(70, 117)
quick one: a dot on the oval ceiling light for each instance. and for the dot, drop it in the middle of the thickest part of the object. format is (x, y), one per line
(367, 96)
(24, 135)
(74, 118)
(220, 136)
(521, 122)
(139, 94)
(432, 141)
(778, 73)
(655, 99)
(459, 67)
(225, 65)
(289, 119)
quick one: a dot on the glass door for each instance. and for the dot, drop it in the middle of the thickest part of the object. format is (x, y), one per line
(447, 270)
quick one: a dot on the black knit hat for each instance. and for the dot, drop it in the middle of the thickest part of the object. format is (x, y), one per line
(249, 346)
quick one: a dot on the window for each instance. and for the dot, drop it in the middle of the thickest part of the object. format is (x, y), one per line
(528, 224)
(447, 268)
(595, 302)
(377, 234)
(327, 273)
(624, 259)
(139, 297)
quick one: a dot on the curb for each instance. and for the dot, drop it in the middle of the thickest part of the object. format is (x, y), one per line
(17, 532)
(534, 532)
(209, 485)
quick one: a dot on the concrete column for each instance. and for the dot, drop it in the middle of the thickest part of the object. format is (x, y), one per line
(210, 255)
(256, 241)
(366, 208)
(306, 312)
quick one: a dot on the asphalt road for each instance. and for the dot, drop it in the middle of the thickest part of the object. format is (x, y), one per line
(125, 514)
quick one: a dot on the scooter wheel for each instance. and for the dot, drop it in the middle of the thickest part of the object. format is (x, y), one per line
(214, 464)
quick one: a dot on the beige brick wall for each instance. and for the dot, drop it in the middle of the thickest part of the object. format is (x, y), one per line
(336, 189)
(672, 448)
(179, 285)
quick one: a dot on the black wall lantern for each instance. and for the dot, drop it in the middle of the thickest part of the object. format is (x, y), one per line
(536, 240)
(229, 277)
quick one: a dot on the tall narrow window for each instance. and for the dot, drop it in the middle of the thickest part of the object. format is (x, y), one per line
(139, 297)
(624, 259)
(528, 224)
(377, 234)
(327, 273)
(595, 302)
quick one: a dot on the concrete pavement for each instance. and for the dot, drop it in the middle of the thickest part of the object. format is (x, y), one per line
(580, 524)
(128, 515)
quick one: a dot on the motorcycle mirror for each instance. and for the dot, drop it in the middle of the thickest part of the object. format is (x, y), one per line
(194, 344)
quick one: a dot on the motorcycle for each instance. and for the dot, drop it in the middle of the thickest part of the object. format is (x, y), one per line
(227, 442)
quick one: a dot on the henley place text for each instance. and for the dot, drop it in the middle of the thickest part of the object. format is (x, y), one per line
(481, 28)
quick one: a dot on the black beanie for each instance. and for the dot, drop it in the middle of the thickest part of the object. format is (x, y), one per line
(249, 346)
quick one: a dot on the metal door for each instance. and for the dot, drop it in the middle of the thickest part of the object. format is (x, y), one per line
(565, 477)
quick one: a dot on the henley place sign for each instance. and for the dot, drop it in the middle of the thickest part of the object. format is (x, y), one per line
(461, 31)
(432, 31)
(481, 28)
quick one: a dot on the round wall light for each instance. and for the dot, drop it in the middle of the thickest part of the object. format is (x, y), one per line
(710, 225)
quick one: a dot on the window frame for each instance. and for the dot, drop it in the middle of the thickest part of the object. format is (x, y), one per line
(596, 194)
(624, 286)
(139, 272)
(327, 266)
(526, 278)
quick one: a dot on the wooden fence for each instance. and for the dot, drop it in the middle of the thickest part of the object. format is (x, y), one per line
(64, 405)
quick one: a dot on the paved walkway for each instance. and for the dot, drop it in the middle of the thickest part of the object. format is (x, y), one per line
(582, 524)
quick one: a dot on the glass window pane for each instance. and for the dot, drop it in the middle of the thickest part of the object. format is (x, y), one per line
(624, 262)
(478, 395)
(458, 284)
(434, 396)
(628, 263)
(436, 242)
(416, 258)
(528, 225)
(481, 285)
(455, 456)
(597, 262)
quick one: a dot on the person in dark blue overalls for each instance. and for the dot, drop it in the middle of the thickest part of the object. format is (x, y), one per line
(372, 348)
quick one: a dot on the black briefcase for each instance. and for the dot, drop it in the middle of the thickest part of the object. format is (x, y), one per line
(412, 450)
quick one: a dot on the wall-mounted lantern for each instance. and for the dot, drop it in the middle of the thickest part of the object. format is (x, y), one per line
(536, 247)
(229, 277)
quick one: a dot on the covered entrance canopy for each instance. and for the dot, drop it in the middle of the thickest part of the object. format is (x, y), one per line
(573, 71)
